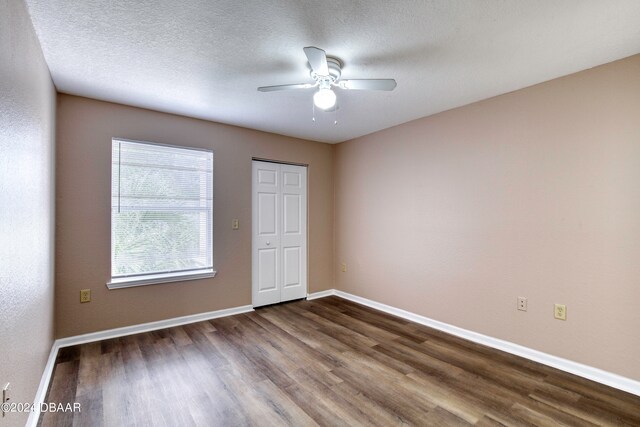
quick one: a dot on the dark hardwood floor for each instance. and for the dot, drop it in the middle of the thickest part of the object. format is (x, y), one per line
(323, 362)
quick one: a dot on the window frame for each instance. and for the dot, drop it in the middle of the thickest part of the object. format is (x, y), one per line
(144, 279)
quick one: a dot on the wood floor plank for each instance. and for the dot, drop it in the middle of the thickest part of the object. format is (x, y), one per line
(487, 421)
(584, 411)
(534, 417)
(305, 331)
(88, 368)
(418, 360)
(257, 353)
(316, 386)
(235, 358)
(450, 400)
(625, 403)
(63, 387)
(389, 388)
(247, 407)
(324, 362)
(341, 333)
(292, 344)
(318, 406)
(390, 397)
(518, 381)
(365, 408)
(331, 313)
(289, 413)
(440, 418)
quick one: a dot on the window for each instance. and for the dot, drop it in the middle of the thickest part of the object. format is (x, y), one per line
(161, 213)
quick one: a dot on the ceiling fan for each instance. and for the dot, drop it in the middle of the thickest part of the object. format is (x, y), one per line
(325, 70)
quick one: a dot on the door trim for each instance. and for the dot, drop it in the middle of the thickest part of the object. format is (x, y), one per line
(282, 162)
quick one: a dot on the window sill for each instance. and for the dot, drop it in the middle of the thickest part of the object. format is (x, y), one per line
(154, 279)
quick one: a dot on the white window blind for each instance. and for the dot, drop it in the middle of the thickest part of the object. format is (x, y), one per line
(161, 209)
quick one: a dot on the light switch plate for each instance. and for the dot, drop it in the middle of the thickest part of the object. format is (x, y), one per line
(5, 397)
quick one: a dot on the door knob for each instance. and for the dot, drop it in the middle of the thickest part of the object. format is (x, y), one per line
(268, 243)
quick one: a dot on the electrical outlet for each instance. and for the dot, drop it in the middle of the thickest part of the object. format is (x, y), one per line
(560, 311)
(235, 224)
(5, 397)
(344, 267)
(522, 304)
(85, 295)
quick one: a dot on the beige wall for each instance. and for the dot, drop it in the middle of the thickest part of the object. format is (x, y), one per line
(83, 189)
(535, 193)
(27, 123)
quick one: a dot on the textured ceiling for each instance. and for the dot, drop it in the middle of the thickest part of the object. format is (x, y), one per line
(206, 58)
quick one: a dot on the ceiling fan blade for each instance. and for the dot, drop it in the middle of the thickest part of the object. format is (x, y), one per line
(368, 84)
(286, 87)
(317, 59)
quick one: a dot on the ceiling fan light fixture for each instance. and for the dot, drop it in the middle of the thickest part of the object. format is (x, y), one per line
(324, 98)
(326, 72)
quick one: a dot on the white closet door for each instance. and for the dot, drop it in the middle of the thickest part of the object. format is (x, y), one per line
(279, 247)
(293, 239)
(266, 233)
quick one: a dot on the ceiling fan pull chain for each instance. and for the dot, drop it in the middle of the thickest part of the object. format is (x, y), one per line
(335, 114)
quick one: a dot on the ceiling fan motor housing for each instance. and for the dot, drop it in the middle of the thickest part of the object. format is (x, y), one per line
(334, 65)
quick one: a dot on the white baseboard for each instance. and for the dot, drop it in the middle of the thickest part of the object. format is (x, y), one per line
(41, 394)
(32, 421)
(151, 326)
(585, 371)
(321, 294)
